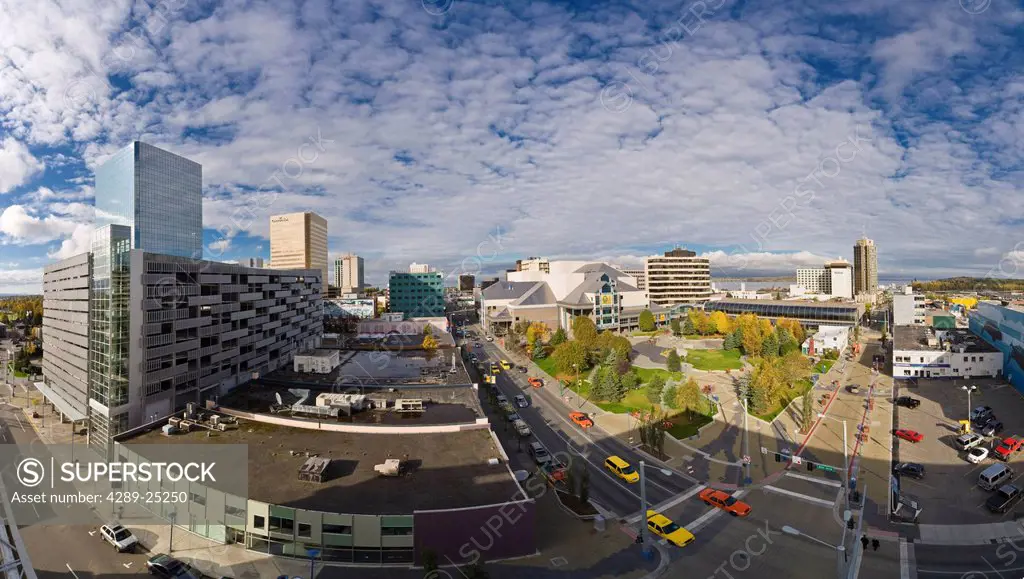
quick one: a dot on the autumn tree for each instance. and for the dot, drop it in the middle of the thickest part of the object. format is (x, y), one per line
(688, 396)
(570, 356)
(584, 331)
(807, 412)
(535, 332)
(799, 334)
(721, 322)
(429, 342)
(670, 396)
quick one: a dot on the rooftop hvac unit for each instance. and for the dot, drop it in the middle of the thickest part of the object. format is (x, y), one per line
(314, 470)
(174, 421)
(391, 467)
(215, 420)
(190, 410)
(185, 425)
(169, 429)
(409, 405)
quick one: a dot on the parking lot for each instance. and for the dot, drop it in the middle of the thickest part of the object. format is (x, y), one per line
(949, 493)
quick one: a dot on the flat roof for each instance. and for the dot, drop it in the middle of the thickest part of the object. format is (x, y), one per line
(916, 338)
(445, 471)
(319, 353)
(809, 303)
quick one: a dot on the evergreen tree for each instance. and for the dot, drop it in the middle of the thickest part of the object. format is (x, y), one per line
(673, 364)
(629, 381)
(770, 346)
(787, 342)
(730, 342)
(655, 388)
(559, 337)
(688, 328)
(677, 328)
(807, 412)
(670, 396)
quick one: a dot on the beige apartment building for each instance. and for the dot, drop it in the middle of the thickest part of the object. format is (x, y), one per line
(299, 241)
(865, 266)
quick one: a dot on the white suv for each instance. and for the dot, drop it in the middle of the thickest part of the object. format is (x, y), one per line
(121, 538)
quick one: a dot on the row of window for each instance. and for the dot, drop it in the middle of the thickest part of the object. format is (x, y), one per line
(920, 359)
(304, 530)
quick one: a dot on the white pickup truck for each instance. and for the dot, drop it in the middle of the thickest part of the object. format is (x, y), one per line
(522, 428)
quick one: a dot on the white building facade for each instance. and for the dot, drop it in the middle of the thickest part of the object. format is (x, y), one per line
(908, 309)
(316, 361)
(677, 277)
(920, 352)
(827, 338)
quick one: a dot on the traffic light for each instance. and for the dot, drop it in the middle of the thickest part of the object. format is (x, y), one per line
(778, 457)
(850, 524)
(810, 466)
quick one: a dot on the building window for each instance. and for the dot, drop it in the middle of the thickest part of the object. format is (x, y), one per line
(395, 531)
(281, 524)
(337, 529)
(305, 530)
(197, 499)
(259, 522)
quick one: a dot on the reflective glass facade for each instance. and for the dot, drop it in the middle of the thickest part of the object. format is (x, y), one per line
(108, 330)
(417, 295)
(156, 193)
(809, 314)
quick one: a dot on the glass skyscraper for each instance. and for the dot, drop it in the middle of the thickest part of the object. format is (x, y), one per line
(158, 194)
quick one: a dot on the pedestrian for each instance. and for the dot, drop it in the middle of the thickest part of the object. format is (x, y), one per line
(864, 541)
(875, 544)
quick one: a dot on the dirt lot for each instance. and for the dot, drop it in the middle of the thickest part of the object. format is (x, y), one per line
(949, 493)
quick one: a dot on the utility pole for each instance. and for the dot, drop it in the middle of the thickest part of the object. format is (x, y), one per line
(643, 512)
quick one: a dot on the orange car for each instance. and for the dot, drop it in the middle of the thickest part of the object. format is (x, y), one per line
(725, 501)
(581, 419)
(535, 382)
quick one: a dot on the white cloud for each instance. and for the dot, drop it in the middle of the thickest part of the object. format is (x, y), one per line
(17, 164)
(21, 281)
(79, 242)
(21, 226)
(220, 246)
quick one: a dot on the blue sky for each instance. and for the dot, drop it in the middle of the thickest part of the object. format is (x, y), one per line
(768, 135)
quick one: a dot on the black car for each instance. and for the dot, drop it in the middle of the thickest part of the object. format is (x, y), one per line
(1005, 499)
(911, 469)
(908, 402)
(993, 428)
(981, 412)
(170, 568)
(983, 422)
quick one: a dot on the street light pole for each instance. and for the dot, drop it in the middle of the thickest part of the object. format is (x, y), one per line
(840, 550)
(643, 511)
(846, 458)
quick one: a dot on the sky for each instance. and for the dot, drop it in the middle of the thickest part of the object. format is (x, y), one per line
(766, 135)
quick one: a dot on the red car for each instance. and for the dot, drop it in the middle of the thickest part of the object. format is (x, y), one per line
(909, 435)
(725, 501)
(581, 419)
(1008, 447)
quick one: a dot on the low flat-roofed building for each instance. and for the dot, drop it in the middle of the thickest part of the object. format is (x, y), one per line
(807, 313)
(923, 352)
(449, 485)
(316, 361)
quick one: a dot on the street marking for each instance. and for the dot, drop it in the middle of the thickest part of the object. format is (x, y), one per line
(92, 533)
(128, 565)
(830, 483)
(68, 565)
(803, 497)
(906, 553)
(670, 503)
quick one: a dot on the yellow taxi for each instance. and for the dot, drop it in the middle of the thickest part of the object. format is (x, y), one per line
(505, 364)
(663, 527)
(495, 369)
(622, 469)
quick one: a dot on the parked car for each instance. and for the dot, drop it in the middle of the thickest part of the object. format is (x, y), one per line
(501, 399)
(521, 401)
(909, 435)
(982, 421)
(725, 501)
(1004, 499)
(1009, 446)
(522, 369)
(977, 454)
(170, 568)
(539, 453)
(581, 419)
(908, 402)
(513, 417)
(121, 538)
(992, 428)
(663, 527)
(910, 469)
(535, 382)
(969, 441)
(980, 412)
(490, 338)
(506, 364)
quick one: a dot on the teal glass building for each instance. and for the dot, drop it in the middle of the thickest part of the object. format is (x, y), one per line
(417, 295)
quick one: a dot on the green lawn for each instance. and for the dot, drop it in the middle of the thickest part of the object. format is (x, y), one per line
(634, 400)
(645, 374)
(548, 365)
(685, 424)
(824, 366)
(714, 359)
(796, 391)
(643, 333)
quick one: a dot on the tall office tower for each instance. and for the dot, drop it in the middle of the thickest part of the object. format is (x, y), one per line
(299, 241)
(639, 275)
(416, 294)
(840, 278)
(157, 194)
(253, 262)
(348, 274)
(865, 266)
(678, 277)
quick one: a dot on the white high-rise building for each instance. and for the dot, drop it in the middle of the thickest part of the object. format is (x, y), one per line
(348, 274)
(835, 279)
(639, 275)
(678, 277)
(419, 268)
